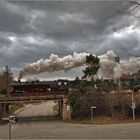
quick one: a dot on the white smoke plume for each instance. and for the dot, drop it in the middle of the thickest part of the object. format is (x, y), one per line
(130, 66)
(108, 66)
(54, 63)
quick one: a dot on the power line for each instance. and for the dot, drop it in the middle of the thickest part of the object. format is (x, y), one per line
(128, 12)
(133, 8)
(133, 60)
(134, 2)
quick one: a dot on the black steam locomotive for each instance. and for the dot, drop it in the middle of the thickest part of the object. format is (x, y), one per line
(61, 87)
(37, 88)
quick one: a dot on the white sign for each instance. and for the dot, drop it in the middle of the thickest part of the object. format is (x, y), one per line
(68, 107)
(12, 119)
(133, 105)
(93, 107)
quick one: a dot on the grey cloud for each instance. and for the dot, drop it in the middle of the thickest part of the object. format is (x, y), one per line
(24, 49)
(14, 18)
(124, 42)
(41, 28)
(4, 41)
(57, 22)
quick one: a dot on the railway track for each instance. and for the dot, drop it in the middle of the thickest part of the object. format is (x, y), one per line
(30, 99)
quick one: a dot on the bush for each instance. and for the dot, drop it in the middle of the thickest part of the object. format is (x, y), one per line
(106, 104)
(74, 102)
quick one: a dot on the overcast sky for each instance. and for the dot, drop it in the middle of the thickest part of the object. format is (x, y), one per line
(31, 30)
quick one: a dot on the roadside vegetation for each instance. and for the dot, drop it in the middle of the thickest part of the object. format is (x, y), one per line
(15, 107)
(109, 107)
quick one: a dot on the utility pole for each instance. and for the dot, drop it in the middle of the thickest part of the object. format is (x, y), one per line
(91, 109)
(133, 106)
(117, 59)
(118, 86)
(12, 120)
(9, 130)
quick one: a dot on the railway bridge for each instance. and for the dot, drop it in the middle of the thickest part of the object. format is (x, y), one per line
(62, 99)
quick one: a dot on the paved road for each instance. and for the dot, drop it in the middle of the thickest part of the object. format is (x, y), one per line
(61, 130)
(43, 109)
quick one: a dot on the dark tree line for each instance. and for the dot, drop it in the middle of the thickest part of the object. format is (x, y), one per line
(6, 77)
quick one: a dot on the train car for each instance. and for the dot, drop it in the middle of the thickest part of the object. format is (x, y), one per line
(36, 89)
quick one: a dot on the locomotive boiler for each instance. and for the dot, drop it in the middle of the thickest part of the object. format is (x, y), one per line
(37, 88)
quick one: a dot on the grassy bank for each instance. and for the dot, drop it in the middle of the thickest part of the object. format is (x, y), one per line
(15, 108)
(104, 120)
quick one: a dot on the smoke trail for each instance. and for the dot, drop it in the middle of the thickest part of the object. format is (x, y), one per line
(108, 67)
(111, 69)
(130, 66)
(107, 64)
(54, 63)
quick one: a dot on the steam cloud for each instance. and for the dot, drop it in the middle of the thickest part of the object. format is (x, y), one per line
(108, 66)
(54, 63)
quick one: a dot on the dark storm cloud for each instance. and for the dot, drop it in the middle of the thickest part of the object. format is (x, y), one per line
(31, 30)
(69, 20)
(12, 18)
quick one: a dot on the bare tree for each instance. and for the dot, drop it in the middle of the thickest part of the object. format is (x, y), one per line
(6, 77)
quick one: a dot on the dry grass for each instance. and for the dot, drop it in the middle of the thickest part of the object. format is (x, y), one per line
(15, 108)
(105, 120)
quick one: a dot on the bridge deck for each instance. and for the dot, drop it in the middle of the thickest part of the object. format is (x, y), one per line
(29, 99)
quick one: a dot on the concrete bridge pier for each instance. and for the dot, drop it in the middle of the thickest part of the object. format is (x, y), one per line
(60, 104)
(2, 110)
(66, 110)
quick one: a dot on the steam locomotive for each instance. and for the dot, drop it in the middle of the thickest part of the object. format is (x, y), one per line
(37, 88)
(61, 87)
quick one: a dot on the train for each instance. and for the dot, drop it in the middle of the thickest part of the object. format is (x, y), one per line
(37, 88)
(62, 87)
